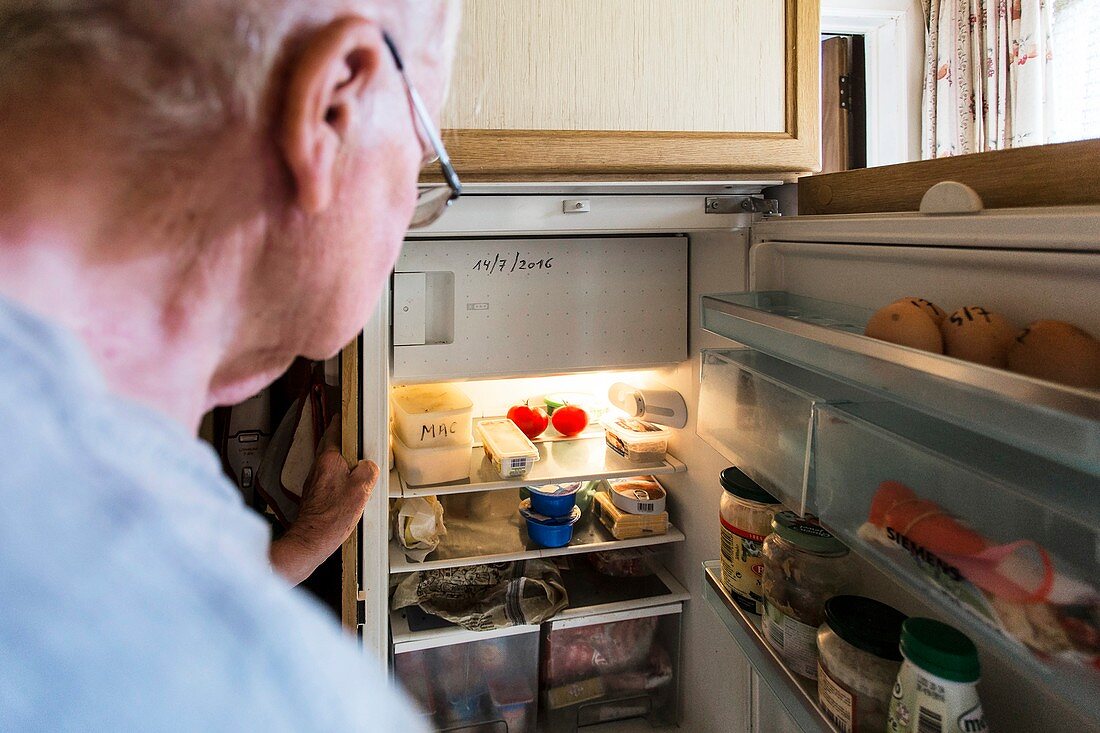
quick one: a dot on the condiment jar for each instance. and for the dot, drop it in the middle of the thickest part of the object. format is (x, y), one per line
(858, 661)
(745, 513)
(936, 691)
(804, 566)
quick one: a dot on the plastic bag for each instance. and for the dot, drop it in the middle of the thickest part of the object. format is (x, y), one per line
(418, 525)
(484, 597)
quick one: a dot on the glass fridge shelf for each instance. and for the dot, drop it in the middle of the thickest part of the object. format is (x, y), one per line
(560, 461)
(495, 532)
(797, 695)
(1051, 420)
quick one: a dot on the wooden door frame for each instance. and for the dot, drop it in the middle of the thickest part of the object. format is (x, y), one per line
(350, 447)
(892, 103)
(585, 155)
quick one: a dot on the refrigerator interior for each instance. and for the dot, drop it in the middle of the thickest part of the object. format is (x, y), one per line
(1013, 263)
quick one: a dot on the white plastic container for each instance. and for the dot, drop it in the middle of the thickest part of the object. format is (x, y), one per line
(636, 440)
(427, 466)
(510, 451)
(432, 415)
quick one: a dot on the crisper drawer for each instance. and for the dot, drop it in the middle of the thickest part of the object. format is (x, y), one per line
(1005, 542)
(612, 666)
(756, 410)
(508, 307)
(481, 686)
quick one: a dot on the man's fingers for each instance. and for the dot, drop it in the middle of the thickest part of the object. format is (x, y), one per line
(364, 477)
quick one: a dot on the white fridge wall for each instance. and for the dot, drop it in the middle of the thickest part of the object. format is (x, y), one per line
(715, 677)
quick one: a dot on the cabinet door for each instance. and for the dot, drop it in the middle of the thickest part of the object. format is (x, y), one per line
(576, 89)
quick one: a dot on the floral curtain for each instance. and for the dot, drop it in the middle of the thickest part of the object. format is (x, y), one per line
(987, 75)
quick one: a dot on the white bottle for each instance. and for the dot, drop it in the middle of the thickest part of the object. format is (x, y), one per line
(936, 690)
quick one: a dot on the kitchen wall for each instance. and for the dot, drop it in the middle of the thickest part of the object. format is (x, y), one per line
(894, 33)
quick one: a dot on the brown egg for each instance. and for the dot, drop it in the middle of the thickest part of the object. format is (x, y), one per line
(901, 323)
(931, 309)
(979, 335)
(1057, 351)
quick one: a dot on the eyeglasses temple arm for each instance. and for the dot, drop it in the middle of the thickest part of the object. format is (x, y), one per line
(425, 121)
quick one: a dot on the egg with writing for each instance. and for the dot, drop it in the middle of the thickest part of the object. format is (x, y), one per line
(979, 335)
(929, 308)
(1058, 351)
(901, 323)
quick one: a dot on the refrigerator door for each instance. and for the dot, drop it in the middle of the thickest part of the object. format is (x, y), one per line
(1026, 265)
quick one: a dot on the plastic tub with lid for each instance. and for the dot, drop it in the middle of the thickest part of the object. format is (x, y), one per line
(510, 451)
(432, 415)
(636, 440)
(554, 500)
(583, 400)
(427, 466)
(549, 531)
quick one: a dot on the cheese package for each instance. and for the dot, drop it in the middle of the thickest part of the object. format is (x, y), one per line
(625, 526)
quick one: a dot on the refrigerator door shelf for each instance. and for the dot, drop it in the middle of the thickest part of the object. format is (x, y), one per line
(560, 461)
(1051, 420)
(1002, 542)
(490, 530)
(757, 411)
(797, 695)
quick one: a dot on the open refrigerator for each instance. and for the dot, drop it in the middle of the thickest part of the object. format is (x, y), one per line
(707, 289)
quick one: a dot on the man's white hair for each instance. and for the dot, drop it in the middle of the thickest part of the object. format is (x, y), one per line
(174, 73)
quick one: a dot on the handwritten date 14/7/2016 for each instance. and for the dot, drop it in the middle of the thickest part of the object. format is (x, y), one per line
(513, 263)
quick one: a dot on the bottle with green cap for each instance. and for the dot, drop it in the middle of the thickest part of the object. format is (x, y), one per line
(936, 691)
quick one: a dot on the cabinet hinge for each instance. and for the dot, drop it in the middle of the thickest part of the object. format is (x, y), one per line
(741, 204)
(845, 91)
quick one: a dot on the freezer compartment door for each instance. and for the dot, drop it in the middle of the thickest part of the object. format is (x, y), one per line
(509, 307)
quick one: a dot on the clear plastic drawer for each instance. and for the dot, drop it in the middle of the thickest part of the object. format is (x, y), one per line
(484, 685)
(610, 666)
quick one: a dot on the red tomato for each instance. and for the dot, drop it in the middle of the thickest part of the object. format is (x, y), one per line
(569, 420)
(532, 421)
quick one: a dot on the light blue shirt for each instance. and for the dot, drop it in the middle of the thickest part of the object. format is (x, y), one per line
(135, 590)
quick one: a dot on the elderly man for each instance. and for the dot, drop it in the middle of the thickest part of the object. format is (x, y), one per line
(192, 192)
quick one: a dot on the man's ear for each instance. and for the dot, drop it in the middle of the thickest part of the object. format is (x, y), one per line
(327, 83)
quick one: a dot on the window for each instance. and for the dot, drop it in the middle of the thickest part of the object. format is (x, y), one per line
(1076, 46)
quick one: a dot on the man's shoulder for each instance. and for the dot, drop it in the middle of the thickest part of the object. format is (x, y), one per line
(137, 594)
(124, 607)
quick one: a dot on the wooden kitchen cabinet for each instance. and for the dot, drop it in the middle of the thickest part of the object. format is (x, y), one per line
(634, 89)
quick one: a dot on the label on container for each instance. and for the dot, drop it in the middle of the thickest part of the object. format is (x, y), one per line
(742, 567)
(924, 703)
(839, 704)
(795, 641)
(615, 443)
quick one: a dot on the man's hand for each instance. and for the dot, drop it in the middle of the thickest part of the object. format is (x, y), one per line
(332, 502)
